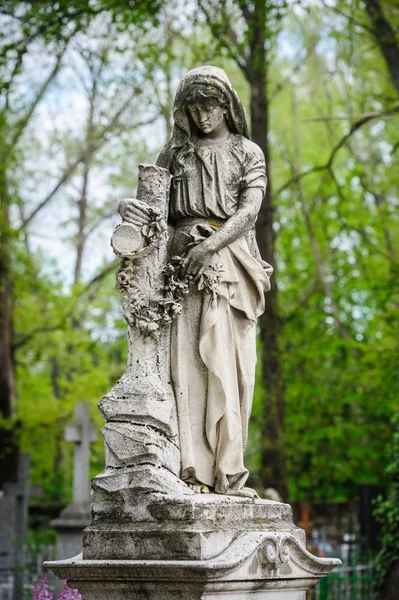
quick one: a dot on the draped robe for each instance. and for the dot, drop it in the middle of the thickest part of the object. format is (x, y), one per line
(213, 345)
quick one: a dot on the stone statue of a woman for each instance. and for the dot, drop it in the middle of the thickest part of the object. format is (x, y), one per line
(191, 304)
(219, 180)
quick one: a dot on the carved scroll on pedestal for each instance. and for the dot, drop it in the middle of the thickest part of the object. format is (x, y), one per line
(140, 434)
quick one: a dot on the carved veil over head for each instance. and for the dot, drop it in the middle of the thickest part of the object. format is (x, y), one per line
(201, 83)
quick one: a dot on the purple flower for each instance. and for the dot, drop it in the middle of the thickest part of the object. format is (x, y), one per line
(68, 593)
(41, 589)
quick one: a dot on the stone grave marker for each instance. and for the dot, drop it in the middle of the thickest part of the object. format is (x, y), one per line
(75, 517)
(14, 502)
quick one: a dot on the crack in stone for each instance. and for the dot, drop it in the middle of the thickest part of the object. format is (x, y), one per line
(147, 426)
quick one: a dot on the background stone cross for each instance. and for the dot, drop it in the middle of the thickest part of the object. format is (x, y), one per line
(82, 432)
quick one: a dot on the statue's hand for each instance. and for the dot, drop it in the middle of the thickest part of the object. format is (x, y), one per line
(197, 260)
(134, 211)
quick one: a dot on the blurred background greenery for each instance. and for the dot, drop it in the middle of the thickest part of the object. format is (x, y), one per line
(87, 92)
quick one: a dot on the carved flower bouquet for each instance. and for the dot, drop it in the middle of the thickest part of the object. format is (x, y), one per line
(149, 316)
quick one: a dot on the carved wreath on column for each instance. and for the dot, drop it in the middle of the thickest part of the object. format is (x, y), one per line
(149, 315)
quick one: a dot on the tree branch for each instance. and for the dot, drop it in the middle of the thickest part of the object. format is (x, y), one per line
(98, 141)
(372, 115)
(317, 255)
(348, 17)
(376, 248)
(341, 143)
(308, 293)
(227, 36)
(97, 223)
(245, 10)
(297, 67)
(111, 266)
(62, 322)
(23, 122)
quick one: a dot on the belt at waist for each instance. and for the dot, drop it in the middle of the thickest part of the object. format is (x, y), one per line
(190, 221)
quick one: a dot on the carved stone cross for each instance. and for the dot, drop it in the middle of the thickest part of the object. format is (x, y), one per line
(82, 433)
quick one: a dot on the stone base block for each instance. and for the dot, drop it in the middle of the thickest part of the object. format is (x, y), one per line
(193, 527)
(256, 565)
(186, 509)
(113, 494)
(115, 542)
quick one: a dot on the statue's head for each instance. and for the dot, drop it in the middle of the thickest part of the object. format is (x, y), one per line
(205, 97)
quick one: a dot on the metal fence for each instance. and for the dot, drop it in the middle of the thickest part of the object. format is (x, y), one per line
(17, 584)
(346, 583)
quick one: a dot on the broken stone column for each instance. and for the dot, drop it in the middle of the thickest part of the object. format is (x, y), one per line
(140, 432)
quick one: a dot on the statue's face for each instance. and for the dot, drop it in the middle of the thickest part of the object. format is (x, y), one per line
(207, 115)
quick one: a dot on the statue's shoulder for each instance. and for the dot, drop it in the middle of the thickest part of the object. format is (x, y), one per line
(251, 150)
(250, 153)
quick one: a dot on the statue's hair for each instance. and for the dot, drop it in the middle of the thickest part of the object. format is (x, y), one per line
(199, 92)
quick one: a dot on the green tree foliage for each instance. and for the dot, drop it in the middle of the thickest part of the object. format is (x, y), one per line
(334, 161)
(387, 513)
(333, 146)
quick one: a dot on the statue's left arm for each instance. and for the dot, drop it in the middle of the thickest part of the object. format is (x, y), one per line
(235, 227)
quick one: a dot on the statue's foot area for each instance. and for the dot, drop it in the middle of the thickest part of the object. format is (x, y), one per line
(223, 486)
(244, 492)
(198, 488)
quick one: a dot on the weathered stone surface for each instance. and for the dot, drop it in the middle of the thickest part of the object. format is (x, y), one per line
(128, 444)
(221, 511)
(140, 400)
(261, 565)
(199, 510)
(141, 434)
(125, 542)
(127, 239)
(194, 527)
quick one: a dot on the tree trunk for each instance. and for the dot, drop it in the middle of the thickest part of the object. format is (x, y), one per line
(82, 204)
(273, 468)
(385, 37)
(390, 589)
(81, 236)
(8, 437)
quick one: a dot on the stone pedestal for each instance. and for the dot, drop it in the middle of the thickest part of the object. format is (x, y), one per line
(196, 547)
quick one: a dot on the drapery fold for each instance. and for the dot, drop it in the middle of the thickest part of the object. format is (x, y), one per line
(213, 363)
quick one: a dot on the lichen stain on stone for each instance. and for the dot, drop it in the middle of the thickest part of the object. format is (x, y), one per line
(285, 569)
(253, 567)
